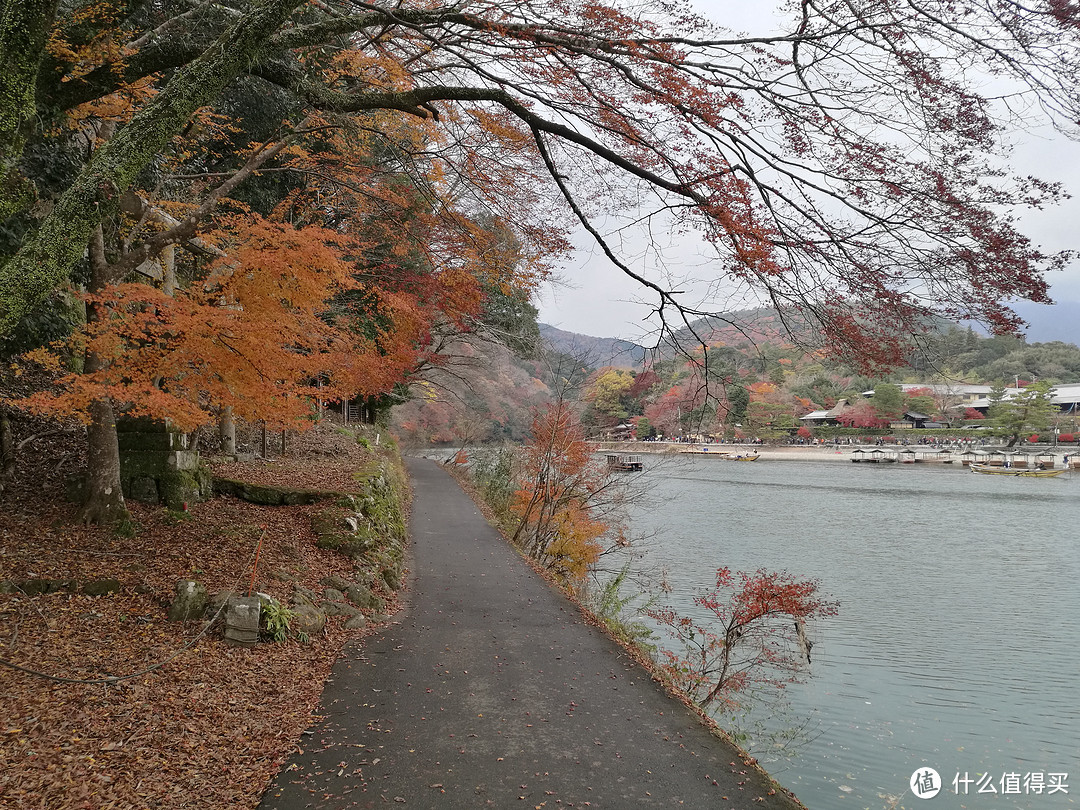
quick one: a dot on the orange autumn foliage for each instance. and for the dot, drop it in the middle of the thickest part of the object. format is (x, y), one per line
(560, 484)
(254, 336)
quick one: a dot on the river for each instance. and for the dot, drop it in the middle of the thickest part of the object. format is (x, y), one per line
(957, 644)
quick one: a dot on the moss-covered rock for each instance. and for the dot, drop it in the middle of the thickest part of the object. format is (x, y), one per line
(101, 587)
(179, 487)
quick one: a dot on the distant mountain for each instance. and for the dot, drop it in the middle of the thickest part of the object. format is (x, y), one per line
(594, 351)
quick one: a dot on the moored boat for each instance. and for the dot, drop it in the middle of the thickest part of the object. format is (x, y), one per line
(985, 469)
(618, 462)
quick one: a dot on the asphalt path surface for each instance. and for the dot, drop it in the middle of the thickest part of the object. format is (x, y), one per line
(488, 690)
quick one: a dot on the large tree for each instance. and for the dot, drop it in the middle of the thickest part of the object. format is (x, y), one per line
(846, 166)
(843, 165)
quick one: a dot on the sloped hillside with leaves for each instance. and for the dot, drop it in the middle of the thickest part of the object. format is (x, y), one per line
(192, 721)
(485, 392)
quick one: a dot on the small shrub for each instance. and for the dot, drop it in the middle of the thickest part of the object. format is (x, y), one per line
(277, 619)
(126, 527)
(610, 606)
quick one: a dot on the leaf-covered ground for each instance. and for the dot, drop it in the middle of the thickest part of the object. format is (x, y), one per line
(209, 728)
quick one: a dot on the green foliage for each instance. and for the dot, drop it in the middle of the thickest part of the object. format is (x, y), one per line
(888, 400)
(1030, 411)
(174, 517)
(607, 391)
(739, 398)
(277, 619)
(610, 604)
(492, 470)
(126, 527)
(511, 318)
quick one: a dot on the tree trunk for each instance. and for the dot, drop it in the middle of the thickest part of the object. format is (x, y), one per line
(227, 431)
(104, 503)
(45, 259)
(104, 498)
(7, 448)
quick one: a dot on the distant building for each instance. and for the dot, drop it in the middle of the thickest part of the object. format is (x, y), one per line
(911, 419)
(1065, 397)
(961, 393)
(619, 433)
(828, 417)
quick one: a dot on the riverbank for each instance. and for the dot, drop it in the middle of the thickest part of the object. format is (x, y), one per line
(767, 452)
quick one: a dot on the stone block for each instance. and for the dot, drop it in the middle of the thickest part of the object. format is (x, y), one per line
(143, 489)
(242, 620)
(139, 424)
(334, 581)
(34, 587)
(101, 587)
(138, 441)
(339, 609)
(190, 601)
(363, 598)
(356, 622)
(178, 487)
(217, 604)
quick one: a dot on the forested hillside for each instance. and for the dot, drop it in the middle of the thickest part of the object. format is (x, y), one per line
(754, 380)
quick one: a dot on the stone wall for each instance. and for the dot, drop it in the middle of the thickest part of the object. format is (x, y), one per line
(156, 465)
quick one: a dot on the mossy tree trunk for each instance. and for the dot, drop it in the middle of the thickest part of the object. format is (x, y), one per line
(104, 497)
(24, 29)
(45, 260)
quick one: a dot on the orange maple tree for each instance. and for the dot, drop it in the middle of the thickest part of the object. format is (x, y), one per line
(255, 335)
(560, 485)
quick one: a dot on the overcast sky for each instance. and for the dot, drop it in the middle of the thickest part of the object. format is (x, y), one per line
(599, 300)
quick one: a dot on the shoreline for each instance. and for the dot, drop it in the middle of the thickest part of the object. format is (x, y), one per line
(924, 454)
(769, 452)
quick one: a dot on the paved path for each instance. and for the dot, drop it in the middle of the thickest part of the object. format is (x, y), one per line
(489, 691)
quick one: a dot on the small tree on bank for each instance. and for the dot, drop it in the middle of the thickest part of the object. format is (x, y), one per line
(754, 636)
(560, 484)
(1030, 411)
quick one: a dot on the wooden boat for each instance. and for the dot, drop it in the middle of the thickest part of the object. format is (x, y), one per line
(624, 463)
(725, 455)
(1021, 472)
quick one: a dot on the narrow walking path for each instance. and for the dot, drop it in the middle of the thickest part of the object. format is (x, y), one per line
(490, 691)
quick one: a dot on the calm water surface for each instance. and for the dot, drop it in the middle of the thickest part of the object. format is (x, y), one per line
(958, 640)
